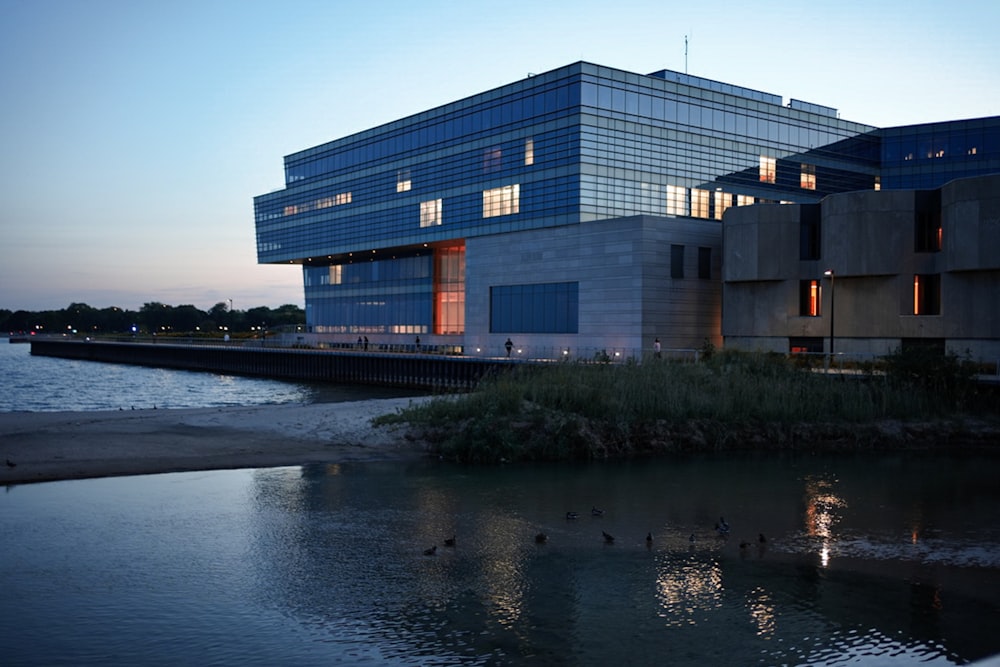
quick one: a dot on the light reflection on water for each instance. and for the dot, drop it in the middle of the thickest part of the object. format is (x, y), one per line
(325, 564)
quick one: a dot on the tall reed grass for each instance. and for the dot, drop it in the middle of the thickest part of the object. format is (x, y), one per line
(566, 410)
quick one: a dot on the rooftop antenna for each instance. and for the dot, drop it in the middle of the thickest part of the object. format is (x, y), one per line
(685, 54)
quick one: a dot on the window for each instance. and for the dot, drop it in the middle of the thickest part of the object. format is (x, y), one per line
(704, 263)
(501, 201)
(676, 200)
(809, 233)
(723, 200)
(928, 232)
(403, 182)
(699, 203)
(744, 200)
(927, 222)
(492, 160)
(676, 261)
(430, 213)
(342, 198)
(807, 178)
(927, 294)
(449, 289)
(539, 308)
(805, 345)
(529, 152)
(810, 297)
(768, 169)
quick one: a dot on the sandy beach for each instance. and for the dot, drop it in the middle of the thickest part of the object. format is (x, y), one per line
(46, 446)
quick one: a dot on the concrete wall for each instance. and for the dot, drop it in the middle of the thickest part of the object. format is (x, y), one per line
(627, 297)
(868, 242)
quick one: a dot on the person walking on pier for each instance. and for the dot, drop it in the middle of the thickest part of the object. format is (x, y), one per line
(509, 345)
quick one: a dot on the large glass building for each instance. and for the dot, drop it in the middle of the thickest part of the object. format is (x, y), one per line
(572, 211)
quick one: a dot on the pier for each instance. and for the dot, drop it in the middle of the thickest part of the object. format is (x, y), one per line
(412, 370)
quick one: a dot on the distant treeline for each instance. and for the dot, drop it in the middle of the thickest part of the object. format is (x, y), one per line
(153, 317)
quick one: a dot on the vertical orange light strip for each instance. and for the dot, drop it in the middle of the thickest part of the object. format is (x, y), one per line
(449, 289)
(814, 298)
(916, 295)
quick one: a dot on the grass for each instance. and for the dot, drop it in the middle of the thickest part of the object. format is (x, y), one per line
(586, 411)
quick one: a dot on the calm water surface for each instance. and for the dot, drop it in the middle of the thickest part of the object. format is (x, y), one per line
(875, 560)
(869, 560)
(46, 384)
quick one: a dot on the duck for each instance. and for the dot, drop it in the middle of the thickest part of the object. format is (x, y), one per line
(541, 538)
(431, 551)
(723, 525)
(691, 538)
(596, 512)
(608, 539)
(450, 542)
(572, 515)
(649, 539)
(11, 464)
(761, 539)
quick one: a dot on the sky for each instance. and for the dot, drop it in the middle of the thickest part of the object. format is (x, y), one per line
(134, 134)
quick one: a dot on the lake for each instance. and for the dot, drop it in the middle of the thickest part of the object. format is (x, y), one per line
(873, 559)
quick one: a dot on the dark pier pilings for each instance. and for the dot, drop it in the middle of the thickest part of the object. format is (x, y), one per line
(418, 371)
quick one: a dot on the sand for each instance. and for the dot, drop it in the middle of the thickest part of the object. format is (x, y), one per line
(46, 446)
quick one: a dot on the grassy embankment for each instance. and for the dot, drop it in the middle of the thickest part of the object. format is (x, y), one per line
(593, 411)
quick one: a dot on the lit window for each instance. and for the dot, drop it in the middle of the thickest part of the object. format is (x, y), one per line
(927, 294)
(807, 180)
(699, 203)
(529, 151)
(878, 183)
(972, 151)
(430, 213)
(291, 210)
(767, 169)
(501, 201)
(809, 298)
(676, 200)
(403, 182)
(336, 274)
(342, 198)
(744, 200)
(723, 200)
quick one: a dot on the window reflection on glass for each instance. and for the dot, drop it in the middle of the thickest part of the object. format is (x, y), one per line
(403, 182)
(807, 179)
(529, 151)
(699, 203)
(677, 200)
(723, 200)
(768, 169)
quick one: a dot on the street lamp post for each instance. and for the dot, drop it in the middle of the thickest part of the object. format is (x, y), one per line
(833, 292)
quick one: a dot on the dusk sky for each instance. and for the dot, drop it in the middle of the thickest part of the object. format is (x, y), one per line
(135, 133)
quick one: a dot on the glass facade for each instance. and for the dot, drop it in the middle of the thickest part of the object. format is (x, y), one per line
(551, 308)
(577, 144)
(923, 157)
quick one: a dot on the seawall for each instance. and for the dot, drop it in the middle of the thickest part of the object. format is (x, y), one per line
(418, 371)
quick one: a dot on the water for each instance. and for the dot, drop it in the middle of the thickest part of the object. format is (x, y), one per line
(879, 559)
(46, 384)
(874, 560)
